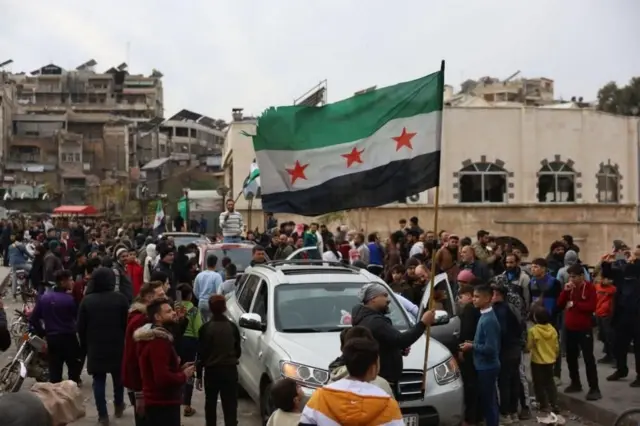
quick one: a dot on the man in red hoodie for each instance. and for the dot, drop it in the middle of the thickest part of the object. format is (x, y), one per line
(163, 378)
(135, 271)
(578, 300)
(131, 378)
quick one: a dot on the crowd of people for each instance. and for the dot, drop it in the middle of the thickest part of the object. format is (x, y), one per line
(137, 308)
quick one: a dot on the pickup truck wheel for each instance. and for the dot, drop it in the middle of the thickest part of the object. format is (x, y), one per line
(266, 405)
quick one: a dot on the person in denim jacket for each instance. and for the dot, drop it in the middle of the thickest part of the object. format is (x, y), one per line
(18, 258)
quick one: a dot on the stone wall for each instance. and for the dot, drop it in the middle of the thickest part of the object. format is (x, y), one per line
(593, 226)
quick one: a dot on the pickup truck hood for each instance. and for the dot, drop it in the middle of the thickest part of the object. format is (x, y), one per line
(319, 349)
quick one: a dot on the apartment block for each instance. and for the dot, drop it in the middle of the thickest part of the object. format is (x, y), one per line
(70, 131)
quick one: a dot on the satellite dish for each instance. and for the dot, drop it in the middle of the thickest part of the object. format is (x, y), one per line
(22, 195)
(7, 196)
(45, 196)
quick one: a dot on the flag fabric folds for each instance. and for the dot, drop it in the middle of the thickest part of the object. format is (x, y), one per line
(159, 222)
(251, 185)
(365, 151)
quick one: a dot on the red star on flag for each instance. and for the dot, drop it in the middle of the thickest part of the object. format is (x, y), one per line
(297, 172)
(404, 139)
(353, 157)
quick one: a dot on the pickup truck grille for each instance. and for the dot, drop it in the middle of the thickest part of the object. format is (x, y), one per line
(410, 386)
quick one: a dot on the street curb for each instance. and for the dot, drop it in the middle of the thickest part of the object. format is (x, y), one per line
(587, 410)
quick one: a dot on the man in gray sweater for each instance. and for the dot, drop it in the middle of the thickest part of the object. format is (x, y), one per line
(231, 224)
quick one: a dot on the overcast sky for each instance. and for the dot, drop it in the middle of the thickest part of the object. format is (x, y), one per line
(220, 54)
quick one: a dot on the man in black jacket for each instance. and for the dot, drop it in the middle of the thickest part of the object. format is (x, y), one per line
(626, 312)
(102, 322)
(165, 264)
(371, 314)
(511, 346)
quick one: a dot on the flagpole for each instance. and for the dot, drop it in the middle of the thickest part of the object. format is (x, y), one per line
(436, 210)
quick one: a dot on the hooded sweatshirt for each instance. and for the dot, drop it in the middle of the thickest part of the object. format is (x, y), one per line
(339, 371)
(130, 369)
(351, 402)
(570, 258)
(542, 342)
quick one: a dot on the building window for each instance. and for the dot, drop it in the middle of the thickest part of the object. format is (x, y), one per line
(556, 183)
(483, 183)
(608, 184)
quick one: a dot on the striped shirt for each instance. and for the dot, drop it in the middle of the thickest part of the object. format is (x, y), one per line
(231, 224)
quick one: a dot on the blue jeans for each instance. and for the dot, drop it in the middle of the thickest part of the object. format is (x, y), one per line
(188, 351)
(235, 239)
(487, 388)
(205, 313)
(99, 392)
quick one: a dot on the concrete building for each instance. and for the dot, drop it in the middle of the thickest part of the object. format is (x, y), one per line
(73, 131)
(189, 145)
(530, 173)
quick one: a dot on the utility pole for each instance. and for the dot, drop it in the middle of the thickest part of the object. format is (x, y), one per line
(187, 220)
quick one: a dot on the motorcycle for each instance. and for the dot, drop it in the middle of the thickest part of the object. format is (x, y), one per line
(29, 361)
(20, 325)
(22, 279)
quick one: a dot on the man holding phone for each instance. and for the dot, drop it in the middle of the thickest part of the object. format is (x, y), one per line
(163, 378)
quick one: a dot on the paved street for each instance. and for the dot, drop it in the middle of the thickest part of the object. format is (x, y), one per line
(248, 414)
(247, 411)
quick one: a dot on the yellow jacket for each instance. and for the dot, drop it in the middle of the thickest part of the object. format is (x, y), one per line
(542, 342)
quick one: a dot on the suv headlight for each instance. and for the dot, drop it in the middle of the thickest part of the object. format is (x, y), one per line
(310, 376)
(446, 372)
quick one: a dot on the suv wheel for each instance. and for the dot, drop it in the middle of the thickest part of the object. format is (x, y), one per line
(266, 404)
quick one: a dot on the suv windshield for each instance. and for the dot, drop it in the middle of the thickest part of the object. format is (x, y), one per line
(307, 308)
(240, 256)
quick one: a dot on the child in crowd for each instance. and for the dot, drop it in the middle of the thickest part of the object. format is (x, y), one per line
(469, 316)
(542, 343)
(486, 353)
(605, 291)
(187, 345)
(398, 284)
(287, 396)
(511, 327)
(354, 400)
(338, 369)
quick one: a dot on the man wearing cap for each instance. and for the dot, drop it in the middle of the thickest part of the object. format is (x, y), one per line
(371, 314)
(123, 283)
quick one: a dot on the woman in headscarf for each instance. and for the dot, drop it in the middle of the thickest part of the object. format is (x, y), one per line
(149, 263)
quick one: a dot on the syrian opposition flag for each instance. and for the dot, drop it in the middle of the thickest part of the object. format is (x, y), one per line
(366, 151)
(251, 185)
(158, 222)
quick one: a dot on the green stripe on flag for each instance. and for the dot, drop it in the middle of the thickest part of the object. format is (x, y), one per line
(293, 128)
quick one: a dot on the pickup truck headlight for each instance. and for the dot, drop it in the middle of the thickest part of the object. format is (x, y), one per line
(310, 376)
(446, 372)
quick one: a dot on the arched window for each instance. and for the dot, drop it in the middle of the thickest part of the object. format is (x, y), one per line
(556, 183)
(608, 184)
(483, 183)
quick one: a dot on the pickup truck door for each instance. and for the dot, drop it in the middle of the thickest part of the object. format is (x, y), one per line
(447, 334)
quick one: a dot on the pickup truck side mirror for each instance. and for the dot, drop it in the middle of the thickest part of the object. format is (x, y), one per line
(442, 317)
(252, 322)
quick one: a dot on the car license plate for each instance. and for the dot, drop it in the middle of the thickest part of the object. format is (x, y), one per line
(410, 420)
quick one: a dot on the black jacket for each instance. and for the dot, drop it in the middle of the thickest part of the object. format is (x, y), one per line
(479, 269)
(102, 322)
(122, 281)
(469, 316)
(626, 302)
(5, 336)
(52, 264)
(218, 345)
(392, 342)
(511, 330)
(167, 269)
